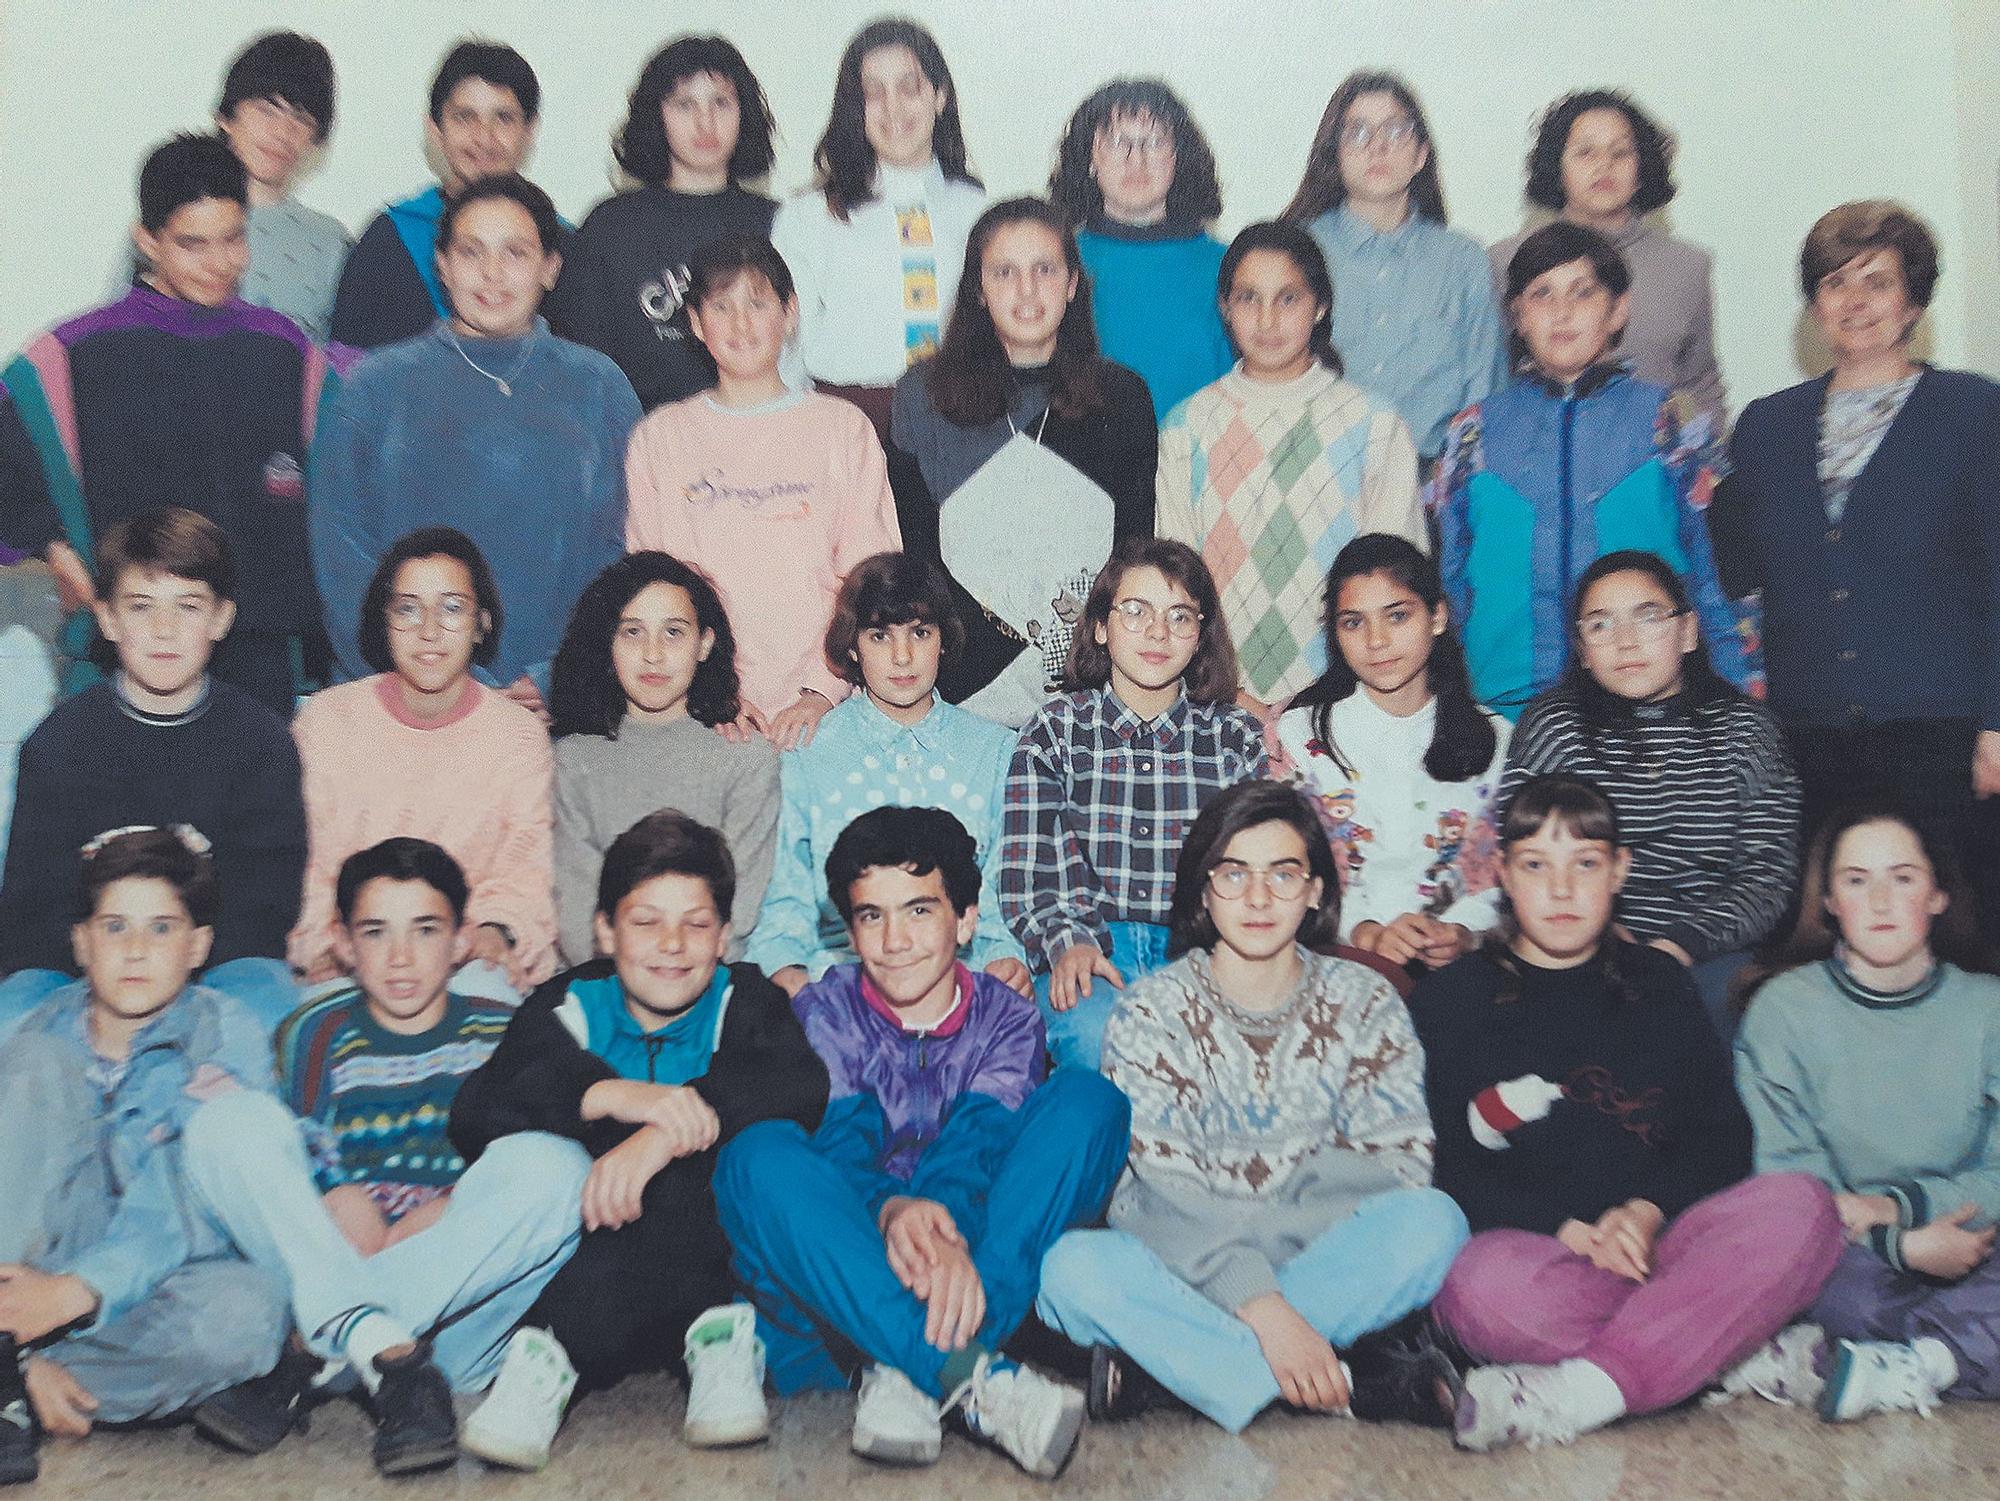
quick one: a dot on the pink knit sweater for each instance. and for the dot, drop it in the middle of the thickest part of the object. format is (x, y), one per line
(476, 782)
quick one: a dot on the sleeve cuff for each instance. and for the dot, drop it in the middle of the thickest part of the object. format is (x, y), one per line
(1913, 1205)
(1887, 1242)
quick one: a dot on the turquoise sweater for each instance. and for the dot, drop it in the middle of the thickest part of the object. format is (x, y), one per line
(1878, 1094)
(1153, 293)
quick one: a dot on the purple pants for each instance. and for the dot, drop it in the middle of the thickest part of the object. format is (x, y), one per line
(1866, 1298)
(1728, 1273)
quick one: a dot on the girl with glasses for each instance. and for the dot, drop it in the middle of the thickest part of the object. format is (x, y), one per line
(1400, 762)
(1621, 1259)
(1107, 778)
(1414, 314)
(1705, 790)
(1276, 1208)
(1281, 462)
(424, 749)
(1135, 176)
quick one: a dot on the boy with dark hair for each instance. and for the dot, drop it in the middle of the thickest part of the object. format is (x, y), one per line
(654, 1058)
(488, 423)
(367, 1172)
(161, 743)
(911, 1225)
(276, 109)
(485, 103)
(178, 393)
(125, 1301)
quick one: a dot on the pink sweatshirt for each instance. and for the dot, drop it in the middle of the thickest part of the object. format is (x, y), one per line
(775, 503)
(476, 782)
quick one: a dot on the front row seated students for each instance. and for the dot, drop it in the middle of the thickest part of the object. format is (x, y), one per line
(162, 743)
(1276, 1207)
(1571, 460)
(1873, 1063)
(1107, 778)
(1587, 1124)
(424, 749)
(910, 1228)
(126, 1302)
(179, 393)
(896, 743)
(644, 678)
(654, 1058)
(363, 1190)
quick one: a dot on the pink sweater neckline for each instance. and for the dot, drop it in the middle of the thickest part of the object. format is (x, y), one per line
(391, 699)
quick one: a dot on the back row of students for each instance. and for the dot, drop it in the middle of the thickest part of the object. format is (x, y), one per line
(1279, 1169)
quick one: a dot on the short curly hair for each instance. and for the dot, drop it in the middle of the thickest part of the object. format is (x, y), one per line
(1655, 147)
(1867, 224)
(1194, 198)
(641, 143)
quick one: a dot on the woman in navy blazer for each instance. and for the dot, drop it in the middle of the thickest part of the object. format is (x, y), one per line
(1866, 506)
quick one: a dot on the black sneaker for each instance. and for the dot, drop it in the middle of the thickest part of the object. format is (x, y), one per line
(1120, 1389)
(415, 1427)
(1410, 1372)
(20, 1436)
(254, 1416)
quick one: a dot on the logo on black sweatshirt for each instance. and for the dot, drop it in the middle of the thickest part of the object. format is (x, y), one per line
(283, 478)
(661, 301)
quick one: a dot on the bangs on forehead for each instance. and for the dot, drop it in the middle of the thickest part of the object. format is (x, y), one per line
(1580, 825)
(728, 281)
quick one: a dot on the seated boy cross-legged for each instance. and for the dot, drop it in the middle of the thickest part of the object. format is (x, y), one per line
(909, 1229)
(654, 1058)
(401, 1261)
(127, 1303)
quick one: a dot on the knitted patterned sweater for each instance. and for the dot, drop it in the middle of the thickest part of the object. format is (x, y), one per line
(1252, 1131)
(1268, 483)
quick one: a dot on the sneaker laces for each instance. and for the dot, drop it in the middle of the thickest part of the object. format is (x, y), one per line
(542, 1367)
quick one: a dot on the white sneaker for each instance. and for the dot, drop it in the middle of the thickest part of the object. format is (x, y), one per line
(895, 1423)
(1876, 1376)
(1779, 1370)
(725, 1365)
(517, 1422)
(1032, 1420)
(1512, 1404)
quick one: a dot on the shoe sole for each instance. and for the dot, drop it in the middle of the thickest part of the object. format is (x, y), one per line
(906, 1453)
(726, 1435)
(498, 1449)
(417, 1461)
(221, 1427)
(20, 1472)
(1836, 1384)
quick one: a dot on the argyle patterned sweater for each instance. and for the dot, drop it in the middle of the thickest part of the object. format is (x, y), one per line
(1268, 483)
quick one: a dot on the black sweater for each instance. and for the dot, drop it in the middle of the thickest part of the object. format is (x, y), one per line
(625, 273)
(1648, 1108)
(382, 298)
(1117, 448)
(763, 1069)
(231, 771)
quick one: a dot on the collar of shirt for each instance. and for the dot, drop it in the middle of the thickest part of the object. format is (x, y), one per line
(948, 1025)
(1352, 232)
(1118, 717)
(1593, 380)
(883, 733)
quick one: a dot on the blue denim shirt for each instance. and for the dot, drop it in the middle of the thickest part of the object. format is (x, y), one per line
(1414, 317)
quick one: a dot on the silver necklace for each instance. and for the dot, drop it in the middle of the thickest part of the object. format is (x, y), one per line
(504, 382)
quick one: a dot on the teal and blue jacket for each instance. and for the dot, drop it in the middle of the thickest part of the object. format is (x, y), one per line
(1539, 481)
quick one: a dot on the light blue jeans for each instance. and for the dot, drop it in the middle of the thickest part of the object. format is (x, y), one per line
(1107, 1287)
(264, 985)
(1076, 1036)
(466, 1281)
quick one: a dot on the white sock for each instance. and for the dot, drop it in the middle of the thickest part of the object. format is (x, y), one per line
(371, 1335)
(1939, 1364)
(1588, 1395)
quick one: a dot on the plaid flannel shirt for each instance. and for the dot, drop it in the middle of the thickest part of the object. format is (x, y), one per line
(1098, 802)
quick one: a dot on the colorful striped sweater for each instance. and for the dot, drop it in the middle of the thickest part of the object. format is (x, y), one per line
(1268, 483)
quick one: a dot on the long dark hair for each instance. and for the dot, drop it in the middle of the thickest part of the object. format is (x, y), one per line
(971, 381)
(1463, 738)
(641, 143)
(844, 160)
(1303, 250)
(1211, 676)
(1322, 189)
(1955, 935)
(585, 696)
(1602, 709)
(1195, 196)
(1229, 813)
(1579, 807)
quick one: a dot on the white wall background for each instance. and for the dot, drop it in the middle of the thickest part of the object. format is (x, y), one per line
(1784, 108)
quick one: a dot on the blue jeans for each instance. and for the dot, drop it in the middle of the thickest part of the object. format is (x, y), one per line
(514, 1220)
(1107, 1287)
(1076, 1036)
(1712, 978)
(264, 985)
(808, 1250)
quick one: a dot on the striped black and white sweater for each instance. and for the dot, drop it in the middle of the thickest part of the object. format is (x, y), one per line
(1708, 803)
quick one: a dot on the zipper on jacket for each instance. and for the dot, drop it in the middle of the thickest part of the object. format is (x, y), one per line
(653, 1046)
(1565, 478)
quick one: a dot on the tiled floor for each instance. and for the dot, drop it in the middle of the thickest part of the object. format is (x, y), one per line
(626, 1444)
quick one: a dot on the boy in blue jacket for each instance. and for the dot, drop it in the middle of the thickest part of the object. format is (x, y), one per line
(911, 1226)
